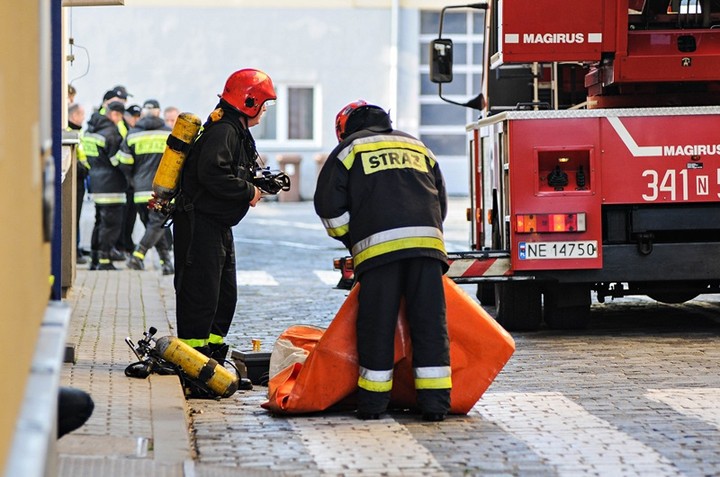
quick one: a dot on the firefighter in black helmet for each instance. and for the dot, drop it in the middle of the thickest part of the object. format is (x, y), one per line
(216, 193)
(108, 185)
(381, 194)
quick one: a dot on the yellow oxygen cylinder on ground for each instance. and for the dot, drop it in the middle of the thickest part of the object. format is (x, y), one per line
(198, 366)
(167, 176)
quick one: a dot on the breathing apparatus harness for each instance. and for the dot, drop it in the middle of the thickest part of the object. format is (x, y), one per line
(179, 144)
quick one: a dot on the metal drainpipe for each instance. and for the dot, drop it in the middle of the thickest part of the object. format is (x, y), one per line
(394, 40)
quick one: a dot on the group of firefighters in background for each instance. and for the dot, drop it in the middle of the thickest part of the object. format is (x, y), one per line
(119, 152)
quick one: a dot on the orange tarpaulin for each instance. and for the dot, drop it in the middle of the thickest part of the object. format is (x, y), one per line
(479, 348)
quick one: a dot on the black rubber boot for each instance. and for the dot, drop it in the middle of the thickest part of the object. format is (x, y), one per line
(433, 416)
(135, 260)
(105, 262)
(367, 416)
(219, 352)
(166, 262)
(94, 260)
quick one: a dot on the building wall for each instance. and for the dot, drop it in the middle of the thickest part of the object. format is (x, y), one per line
(182, 56)
(24, 287)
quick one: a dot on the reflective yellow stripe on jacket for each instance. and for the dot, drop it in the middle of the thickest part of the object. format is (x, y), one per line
(338, 226)
(91, 143)
(148, 142)
(397, 239)
(81, 156)
(124, 158)
(80, 149)
(122, 129)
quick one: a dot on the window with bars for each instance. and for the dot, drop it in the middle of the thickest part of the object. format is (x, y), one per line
(293, 119)
(442, 125)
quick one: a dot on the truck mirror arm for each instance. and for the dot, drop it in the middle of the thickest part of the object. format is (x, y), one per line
(478, 102)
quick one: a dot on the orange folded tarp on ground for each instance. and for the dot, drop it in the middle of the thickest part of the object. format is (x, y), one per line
(479, 348)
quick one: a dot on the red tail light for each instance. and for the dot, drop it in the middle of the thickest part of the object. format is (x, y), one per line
(545, 223)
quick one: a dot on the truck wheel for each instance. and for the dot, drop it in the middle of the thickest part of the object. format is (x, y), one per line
(518, 306)
(567, 307)
(486, 294)
(672, 292)
(673, 298)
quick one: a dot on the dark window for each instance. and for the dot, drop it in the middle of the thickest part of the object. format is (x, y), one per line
(477, 53)
(459, 53)
(478, 23)
(457, 86)
(429, 22)
(454, 22)
(476, 85)
(442, 125)
(290, 119)
(300, 113)
(424, 53)
(441, 114)
(445, 144)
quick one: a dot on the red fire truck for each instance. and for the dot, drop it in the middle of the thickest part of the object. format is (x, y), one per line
(595, 164)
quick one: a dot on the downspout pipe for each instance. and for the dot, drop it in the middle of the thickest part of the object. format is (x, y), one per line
(394, 54)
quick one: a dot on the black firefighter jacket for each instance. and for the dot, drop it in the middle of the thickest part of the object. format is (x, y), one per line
(140, 154)
(218, 172)
(383, 196)
(100, 142)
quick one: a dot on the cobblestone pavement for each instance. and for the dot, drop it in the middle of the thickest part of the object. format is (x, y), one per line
(636, 394)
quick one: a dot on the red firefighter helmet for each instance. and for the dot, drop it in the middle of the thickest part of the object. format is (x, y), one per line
(344, 114)
(247, 90)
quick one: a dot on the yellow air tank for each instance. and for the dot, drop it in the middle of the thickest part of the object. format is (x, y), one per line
(198, 366)
(167, 177)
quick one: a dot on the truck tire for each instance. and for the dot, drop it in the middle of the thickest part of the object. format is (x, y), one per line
(518, 306)
(672, 293)
(567, 307)
(673, 298)
(486, 294)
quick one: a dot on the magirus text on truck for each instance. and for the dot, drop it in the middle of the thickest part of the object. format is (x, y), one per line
(595, 162)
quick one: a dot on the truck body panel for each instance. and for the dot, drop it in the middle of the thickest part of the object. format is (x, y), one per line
(628, 157)
(595, 164)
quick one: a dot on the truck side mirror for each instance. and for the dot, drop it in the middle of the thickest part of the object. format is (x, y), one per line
(441, 60)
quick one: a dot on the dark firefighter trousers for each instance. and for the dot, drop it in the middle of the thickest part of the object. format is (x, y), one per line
(419, 281)
(205, 280)
(155, 234)
(107, 229)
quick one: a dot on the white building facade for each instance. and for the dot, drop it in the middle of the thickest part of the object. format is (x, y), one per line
(320, 56)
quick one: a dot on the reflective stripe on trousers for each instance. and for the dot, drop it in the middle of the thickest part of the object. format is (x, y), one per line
(375, 381)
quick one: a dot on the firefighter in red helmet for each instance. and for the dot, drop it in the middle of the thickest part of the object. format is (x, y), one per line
(381, 193)
(216, 193)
